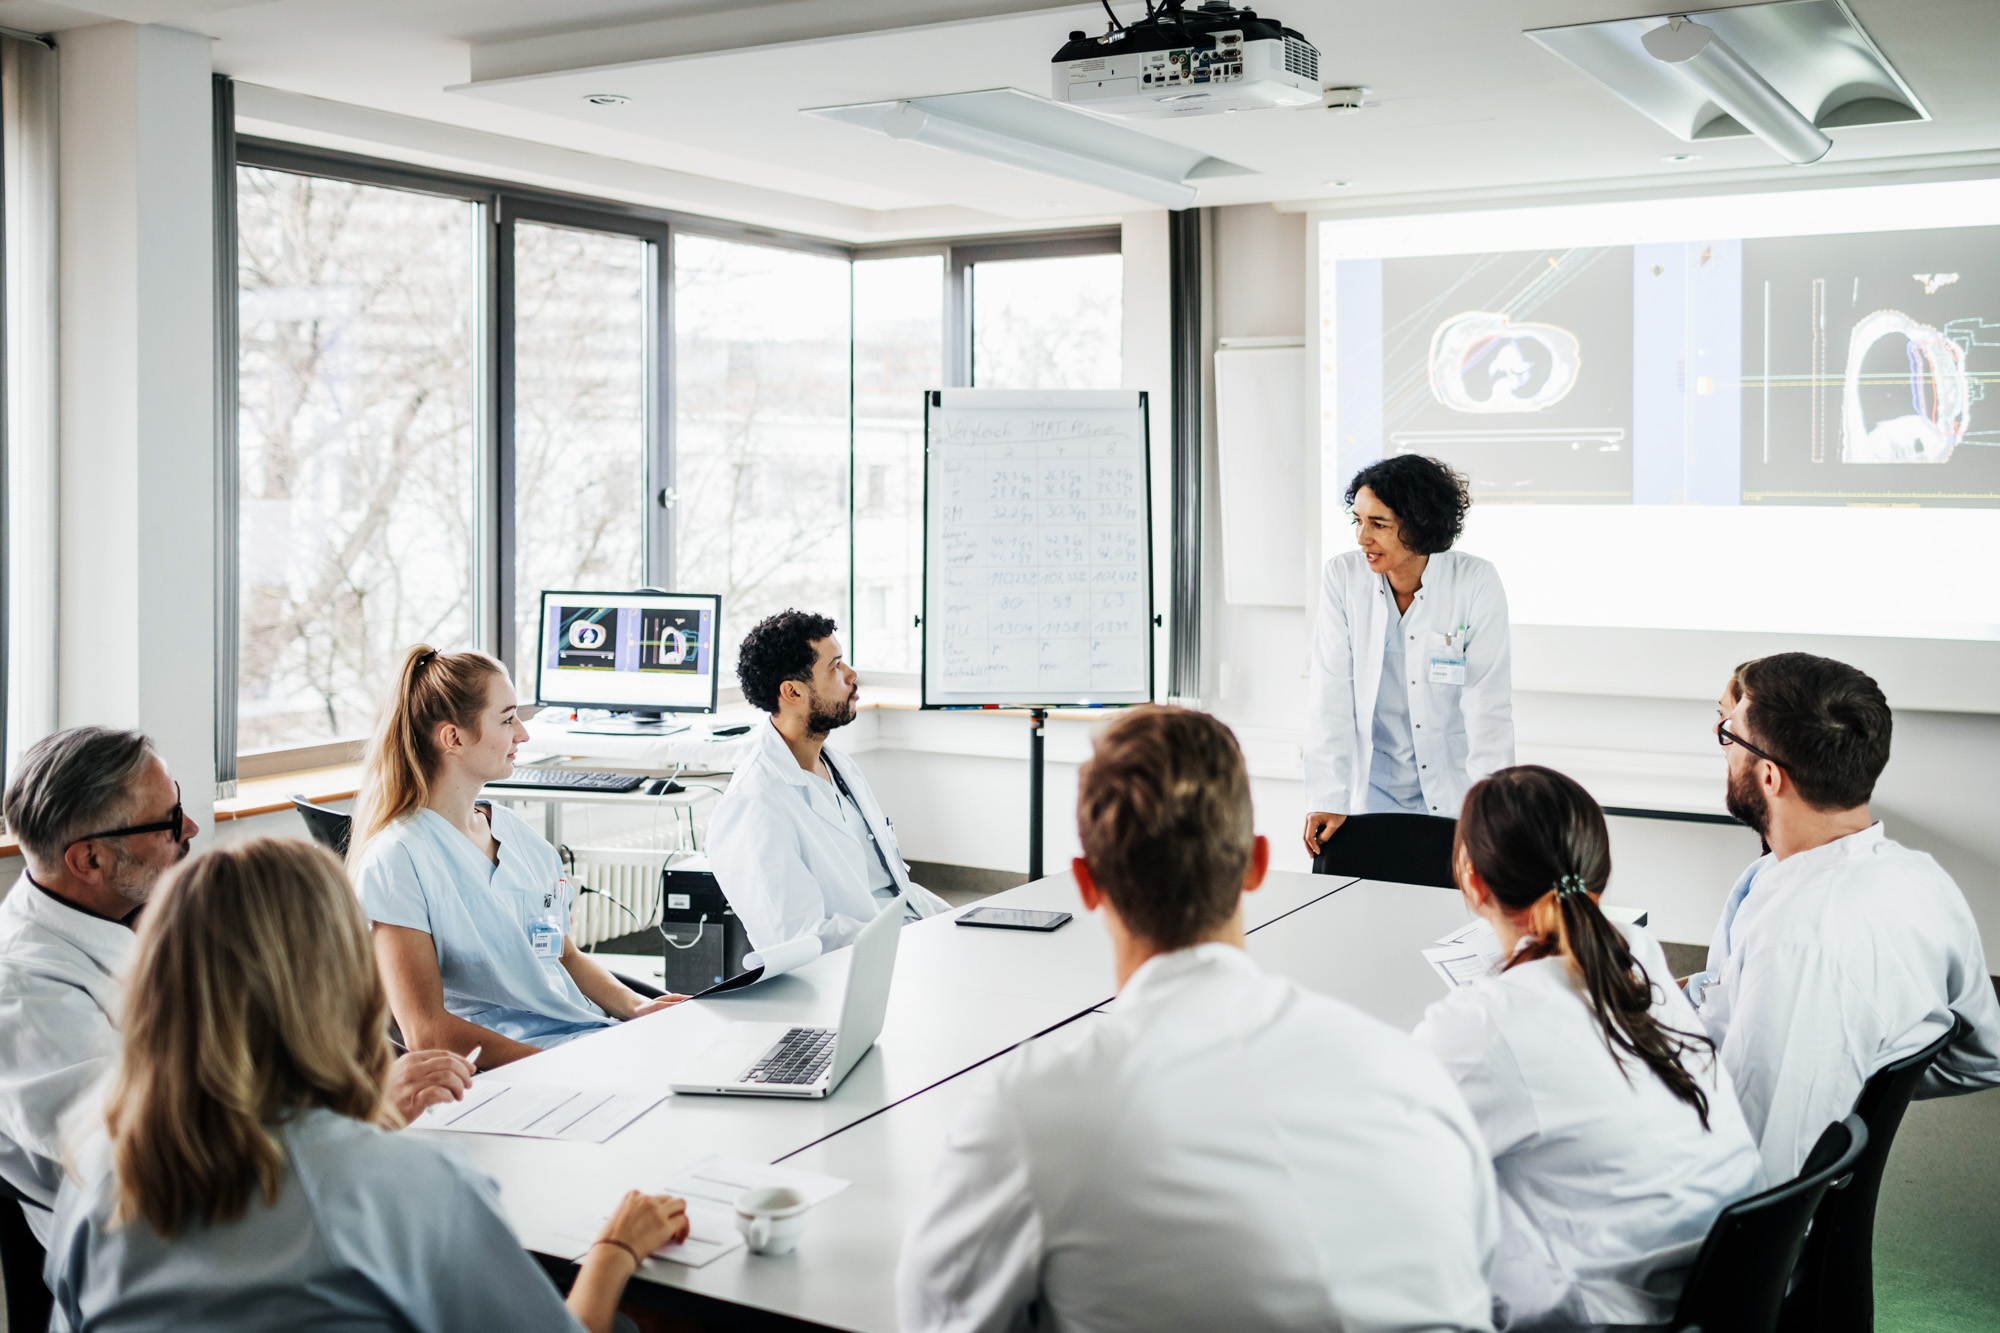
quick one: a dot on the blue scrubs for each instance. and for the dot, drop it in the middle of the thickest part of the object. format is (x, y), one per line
(1393, 787)
(422, 873)
(370, 1231)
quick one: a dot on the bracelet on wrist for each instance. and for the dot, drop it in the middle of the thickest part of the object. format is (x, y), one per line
(607, 1240)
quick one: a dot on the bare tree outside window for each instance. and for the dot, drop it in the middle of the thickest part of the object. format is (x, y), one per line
(579, 420)
(761, 382)
(1048, 323)
(358, 450)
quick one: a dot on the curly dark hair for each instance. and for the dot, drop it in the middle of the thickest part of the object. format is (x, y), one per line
(778, 649)
(1427, 497)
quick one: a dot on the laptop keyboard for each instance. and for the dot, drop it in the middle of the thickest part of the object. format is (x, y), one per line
(800, 1056)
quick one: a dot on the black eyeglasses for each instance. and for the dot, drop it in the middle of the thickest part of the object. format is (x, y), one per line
(175, 822)
(1726, 738)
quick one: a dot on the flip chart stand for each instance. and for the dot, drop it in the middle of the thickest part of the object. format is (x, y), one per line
(1036, 717)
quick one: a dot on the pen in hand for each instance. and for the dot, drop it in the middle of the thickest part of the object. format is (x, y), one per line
(472, 1058)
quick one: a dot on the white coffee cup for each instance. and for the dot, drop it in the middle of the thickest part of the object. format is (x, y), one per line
(772, 1218)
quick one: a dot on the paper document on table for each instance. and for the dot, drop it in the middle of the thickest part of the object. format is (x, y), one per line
(1465, 955)
(576, 1115)
(762, 965)
(710, 1188)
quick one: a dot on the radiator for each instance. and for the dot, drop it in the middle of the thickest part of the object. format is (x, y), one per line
(627, 877)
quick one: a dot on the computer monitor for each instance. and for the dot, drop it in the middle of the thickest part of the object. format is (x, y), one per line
(640, 653)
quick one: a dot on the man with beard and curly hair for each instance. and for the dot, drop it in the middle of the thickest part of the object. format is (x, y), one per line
(798, 842)
(1838, 951)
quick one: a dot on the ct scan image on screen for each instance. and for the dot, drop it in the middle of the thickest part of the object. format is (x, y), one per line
(1743, 413)
(639, 652)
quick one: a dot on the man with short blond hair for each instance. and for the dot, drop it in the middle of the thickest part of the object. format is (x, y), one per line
(1220, 1150)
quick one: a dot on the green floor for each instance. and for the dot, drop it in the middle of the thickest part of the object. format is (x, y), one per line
(1937, 1225)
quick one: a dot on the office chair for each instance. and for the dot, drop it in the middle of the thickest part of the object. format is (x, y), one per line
(1737, 1284)
(29, 1303)
(1400, 849)
(329, 828)
(1835, 1291)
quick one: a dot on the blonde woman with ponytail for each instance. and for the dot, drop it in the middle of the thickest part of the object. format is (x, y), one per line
(470, 906)
(1615, 1133)
(240, 1179)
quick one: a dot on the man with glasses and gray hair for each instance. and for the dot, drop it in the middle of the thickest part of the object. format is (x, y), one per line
(1839, 951)
(99, 820)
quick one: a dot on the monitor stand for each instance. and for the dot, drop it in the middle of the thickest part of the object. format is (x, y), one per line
(629, 724)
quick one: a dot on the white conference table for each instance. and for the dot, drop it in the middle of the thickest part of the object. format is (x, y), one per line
(1361, 944)
(960, 996)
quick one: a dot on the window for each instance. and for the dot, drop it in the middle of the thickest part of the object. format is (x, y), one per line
(580, 353)
(761, 388)
(898, 354)
(1048, 323)
(454, 394)
(357, 372)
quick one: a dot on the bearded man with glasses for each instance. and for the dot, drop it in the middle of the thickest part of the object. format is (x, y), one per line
(1839, 951)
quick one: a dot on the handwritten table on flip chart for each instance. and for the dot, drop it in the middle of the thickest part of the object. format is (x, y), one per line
(1038, 572)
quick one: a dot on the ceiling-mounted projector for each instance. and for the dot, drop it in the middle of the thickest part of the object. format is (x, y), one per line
(1176, 62)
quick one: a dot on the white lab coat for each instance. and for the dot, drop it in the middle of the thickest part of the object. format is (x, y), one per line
(1221, 1150)
(788, 860)
(1832, 963)
(1462, 731)
(61, 986)
(1608, 1182)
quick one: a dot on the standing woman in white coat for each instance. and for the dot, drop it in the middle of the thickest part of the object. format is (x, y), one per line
(1411, 699)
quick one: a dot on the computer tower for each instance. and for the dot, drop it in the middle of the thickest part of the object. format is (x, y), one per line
(705, 942)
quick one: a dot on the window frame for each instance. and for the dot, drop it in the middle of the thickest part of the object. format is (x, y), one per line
(502, 205)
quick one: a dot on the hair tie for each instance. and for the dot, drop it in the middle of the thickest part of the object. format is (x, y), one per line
(424, 658)
(1568, 885)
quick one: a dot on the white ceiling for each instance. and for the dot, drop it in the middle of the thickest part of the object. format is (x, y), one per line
(1470, 109)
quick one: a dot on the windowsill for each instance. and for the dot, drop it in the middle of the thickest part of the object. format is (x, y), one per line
(269, 795)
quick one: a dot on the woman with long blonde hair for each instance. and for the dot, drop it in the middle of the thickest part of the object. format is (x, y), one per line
(241, 1178)
(471, 906)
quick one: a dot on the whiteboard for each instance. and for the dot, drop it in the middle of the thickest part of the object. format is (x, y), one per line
(1260, 438)
(1038, 578)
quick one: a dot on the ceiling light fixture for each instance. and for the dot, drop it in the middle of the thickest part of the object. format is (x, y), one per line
(1707, 62)
(927, 126)
(606, 99)
(1032, 133)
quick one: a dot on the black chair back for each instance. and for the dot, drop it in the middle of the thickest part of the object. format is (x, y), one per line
(329, 828)
(29, 1303)
(1401, 849)
(1737, 1284)
(1835, 1292)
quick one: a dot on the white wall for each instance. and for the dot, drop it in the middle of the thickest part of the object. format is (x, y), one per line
(137, 476)
(957, 786)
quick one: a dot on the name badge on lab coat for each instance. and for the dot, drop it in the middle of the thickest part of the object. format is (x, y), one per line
(546, 936)
(1447, 668)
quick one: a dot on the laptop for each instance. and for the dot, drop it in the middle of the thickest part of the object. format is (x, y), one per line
(788, 1060)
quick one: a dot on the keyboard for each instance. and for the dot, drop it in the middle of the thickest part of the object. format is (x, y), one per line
(571, 779)
(798, 1057)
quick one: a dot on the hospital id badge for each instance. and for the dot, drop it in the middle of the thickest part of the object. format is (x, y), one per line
(1447, 669)
(546, 936)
